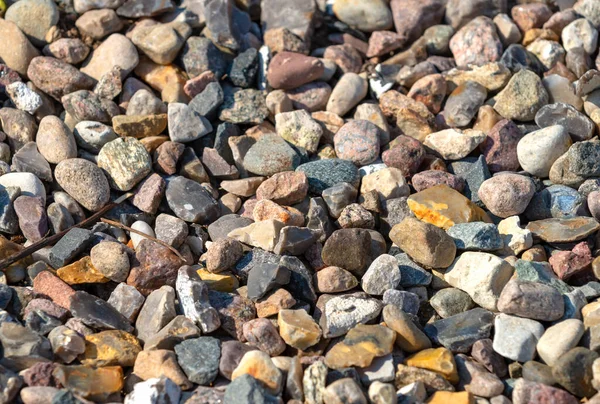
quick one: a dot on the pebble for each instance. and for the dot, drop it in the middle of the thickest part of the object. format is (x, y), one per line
(573, 371)
(476, 43)
(126, 162)
(466, 275)
(425, 243)
(288, 70)
(358, 141)
(458, 333)
(382, 275)
(522, 97)
(298, 128)
(542, 302)
(270, 155)
(454, 144)
(298, 329)
(524, 335)
(539, 149)
(347, 93)
(559, 339)
(507, 194)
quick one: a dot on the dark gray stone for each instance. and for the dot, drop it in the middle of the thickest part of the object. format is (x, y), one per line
(244, 68)
(69, 246)
(459, 332)
(41, 322)
(199, 359)
(97, 313)
(301, 280)
(208, 101)
(225, 130)
(412, 274)
(243, 106)
(199, 54)
(266, 277)
(191, 202)
(9, 223)
(474, 171)
(29, 160)
(221, 227)
(516, 58)
(323, 174)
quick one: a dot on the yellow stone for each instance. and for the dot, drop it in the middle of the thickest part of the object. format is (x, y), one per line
(298, 329)
(591, 314)
(260, 366)
(446, 397)
(439, 360)
(139, 126)
(360, 346)
(221, 282)
(110, 348)
(444, 207)
(95, 384)
(169, 79)
(81, 271)
(151, 143)
(9, 248)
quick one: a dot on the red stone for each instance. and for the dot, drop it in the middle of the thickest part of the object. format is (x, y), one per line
(568, 263)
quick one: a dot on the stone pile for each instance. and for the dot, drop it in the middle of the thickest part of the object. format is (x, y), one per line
(326, 202)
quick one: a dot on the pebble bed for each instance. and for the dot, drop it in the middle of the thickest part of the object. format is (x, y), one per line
(299, 201)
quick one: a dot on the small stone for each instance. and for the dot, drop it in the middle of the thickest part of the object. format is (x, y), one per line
(107, 380)
(345, 390)
(298, 329)
(260, 366)
(358, 141)
(466, 275)
(522, 97)
(536, 159)
(425, 243)
(476, 236)
(408, 336)
(524, 335)
(127, 300)
(199, 359)
(33, 221)
(84, 181)
(342, 313)
(274, 303)
(431, 380)
(154, 391)
(190, 201)
(157, 311)
(97, 313)
(263, 278)
(388, 182)
(439, 360)
(193, 298)
(298, 128)
(573, 371)
(108, 348)
(458, 333)
(507, 194)
(270, 155)
(383, 274)
(185, 124)
(223, 254)
(476, 43)
(450, 301)
(516, 239)
(347, 93)
(360, 346)
(559, 339)
(565, 230)
(349, 249)
(81, 271)
(290, 70)
(568, 263)
(531, 300)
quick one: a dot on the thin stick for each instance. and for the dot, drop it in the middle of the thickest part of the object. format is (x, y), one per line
(27, 251)
(129, 229)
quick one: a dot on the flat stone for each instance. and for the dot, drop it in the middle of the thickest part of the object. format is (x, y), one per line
(360, 346)
(157, 311)
(344, 312)
(127, 300)
(458, 333)
(97, 313)
(185, 124)
(270, 155)
(443, 207)
(190, 201)
(565, 230)
(476, 236)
